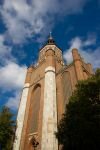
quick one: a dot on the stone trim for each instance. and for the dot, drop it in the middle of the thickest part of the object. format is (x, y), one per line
(49, 123)
(20, 117)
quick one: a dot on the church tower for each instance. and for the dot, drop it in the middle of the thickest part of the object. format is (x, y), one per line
(47, 88)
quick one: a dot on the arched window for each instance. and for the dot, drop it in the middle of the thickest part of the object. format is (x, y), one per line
(34, 109)
(66, 86)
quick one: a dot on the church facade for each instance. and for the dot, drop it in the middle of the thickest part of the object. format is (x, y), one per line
(46, 91)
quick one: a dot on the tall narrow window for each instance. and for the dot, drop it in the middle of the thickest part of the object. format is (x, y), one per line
(66, 86)
(34, 109)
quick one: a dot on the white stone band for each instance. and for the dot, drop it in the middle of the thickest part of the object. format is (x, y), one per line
(49, 124)
(20, 117)
(26, 85)
(50, 68)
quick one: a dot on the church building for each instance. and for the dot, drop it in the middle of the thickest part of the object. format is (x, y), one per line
(48, 86)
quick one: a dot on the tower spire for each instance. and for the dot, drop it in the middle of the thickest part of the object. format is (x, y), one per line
(50, 39)
(50, 35)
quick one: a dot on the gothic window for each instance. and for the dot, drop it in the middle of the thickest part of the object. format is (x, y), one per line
(34, 109)
(66, 86)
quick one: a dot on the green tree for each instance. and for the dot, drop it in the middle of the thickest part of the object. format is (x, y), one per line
(79, 128)
(7, 125)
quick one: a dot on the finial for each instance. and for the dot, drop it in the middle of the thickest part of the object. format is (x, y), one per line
(50, 39)
(50, 35)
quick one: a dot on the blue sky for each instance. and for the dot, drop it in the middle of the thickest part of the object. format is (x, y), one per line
(24, 28)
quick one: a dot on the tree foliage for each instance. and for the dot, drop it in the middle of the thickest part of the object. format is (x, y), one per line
(7, 125)
(79, 128)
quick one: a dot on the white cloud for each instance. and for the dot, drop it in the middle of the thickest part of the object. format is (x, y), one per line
(24, 18)
(12, 76)
(5, 51)
(13, 102)
(3, 48)
(90, 55)
(75, 43)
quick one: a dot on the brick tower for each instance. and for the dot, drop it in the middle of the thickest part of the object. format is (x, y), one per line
(48, 86)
